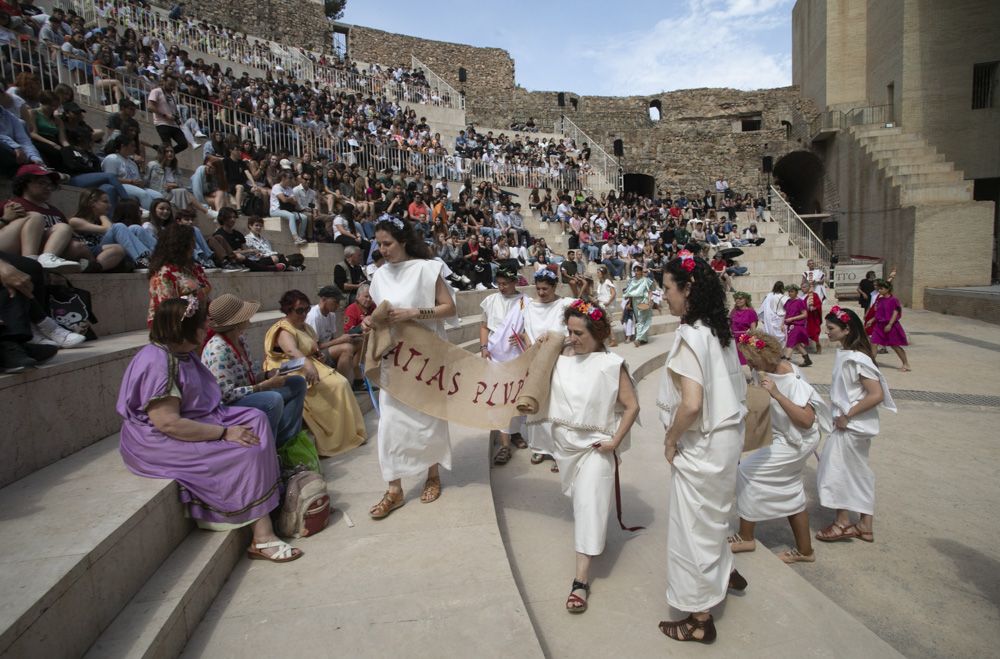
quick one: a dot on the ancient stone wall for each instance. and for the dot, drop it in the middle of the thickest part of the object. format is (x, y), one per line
(300, 23)
(489, 71)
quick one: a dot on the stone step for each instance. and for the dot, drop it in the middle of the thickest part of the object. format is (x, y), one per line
(87, 535)
(109, 290)
(920, 168)
(924, 179)
(893, 139)
(936, 194)
(897, 151)
(875, 129)
(163, 615)
(886, 159)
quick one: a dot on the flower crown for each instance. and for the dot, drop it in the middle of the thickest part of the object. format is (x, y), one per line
(192, 305)
(589, 310)
(687, 259)
(749, 340)
(394, 221)
(841, 315)
(545, 273)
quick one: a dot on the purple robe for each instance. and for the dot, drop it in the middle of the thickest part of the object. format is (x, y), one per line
(797, 334)
(221, 482)
(884, 308)
(740, 321)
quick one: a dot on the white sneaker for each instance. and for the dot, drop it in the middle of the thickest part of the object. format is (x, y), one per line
(200, 135)
(480, 287)
(212, 213)
(61, 336)
(39, 339)
(465, 280)
(52, 262)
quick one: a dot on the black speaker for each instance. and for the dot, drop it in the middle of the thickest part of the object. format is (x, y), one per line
(767, 164)
(561, 99)
(462, 75)
(619, 148)
(831, 231)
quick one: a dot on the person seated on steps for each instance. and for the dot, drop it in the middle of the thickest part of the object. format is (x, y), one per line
(343, 350)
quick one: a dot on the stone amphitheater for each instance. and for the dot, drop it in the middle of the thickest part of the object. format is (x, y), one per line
(97, 562)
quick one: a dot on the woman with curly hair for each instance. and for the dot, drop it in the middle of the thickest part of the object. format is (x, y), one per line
(173, 271)
(701, 406)
(409, 442)
(591, 409)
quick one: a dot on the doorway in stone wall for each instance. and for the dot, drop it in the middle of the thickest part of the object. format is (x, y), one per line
(799, 175)
(641, 184)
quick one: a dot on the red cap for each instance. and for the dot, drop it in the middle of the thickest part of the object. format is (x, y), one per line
(37, 170)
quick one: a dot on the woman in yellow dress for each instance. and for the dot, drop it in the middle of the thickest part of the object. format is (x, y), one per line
(330, 411)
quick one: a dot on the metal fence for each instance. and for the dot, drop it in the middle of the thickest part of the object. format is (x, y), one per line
(605, 167)
(864, 116)
(797, 229)
(440, 89)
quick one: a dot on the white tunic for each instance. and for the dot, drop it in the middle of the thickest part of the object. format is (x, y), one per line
(769, 485)
(540, 318)
(583, 409)
(504, 317)
(703, 478)
(409, 441)
(772, 315)
(844, 479)
(817, 277)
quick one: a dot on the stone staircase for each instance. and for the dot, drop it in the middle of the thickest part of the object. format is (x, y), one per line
(921, 174)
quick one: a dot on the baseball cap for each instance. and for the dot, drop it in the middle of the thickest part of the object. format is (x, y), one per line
(37, 170)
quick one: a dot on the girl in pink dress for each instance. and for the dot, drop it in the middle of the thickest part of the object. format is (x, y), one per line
(795, 320)
(886, 329)
(742, 318)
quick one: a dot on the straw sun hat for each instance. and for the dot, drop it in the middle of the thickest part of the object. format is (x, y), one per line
(228, 311)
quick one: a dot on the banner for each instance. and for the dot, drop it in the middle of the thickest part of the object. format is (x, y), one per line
(437, 378)
(847, 276)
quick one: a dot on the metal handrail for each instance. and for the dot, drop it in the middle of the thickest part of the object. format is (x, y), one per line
(607, 165)
(438, 85)
(798, 231)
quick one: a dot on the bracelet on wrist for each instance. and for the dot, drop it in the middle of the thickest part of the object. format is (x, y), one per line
(426, 313)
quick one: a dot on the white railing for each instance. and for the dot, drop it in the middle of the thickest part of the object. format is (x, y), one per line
(439, 86)
(798, 231)
(601, 162)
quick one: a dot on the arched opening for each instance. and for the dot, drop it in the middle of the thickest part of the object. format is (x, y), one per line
(799, 174)
(655, 110)
(642, 184)
(787, 125)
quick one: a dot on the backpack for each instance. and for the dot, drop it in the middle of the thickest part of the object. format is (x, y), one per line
(71, 307)
(306, 509)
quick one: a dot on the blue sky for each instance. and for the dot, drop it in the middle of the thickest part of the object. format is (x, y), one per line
(609, 48)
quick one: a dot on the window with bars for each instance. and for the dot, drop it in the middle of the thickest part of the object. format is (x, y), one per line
(984, 85)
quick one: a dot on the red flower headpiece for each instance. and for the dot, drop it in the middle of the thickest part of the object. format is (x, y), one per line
(748, 340)
(589, 310)
(841, 315)
(687, 259)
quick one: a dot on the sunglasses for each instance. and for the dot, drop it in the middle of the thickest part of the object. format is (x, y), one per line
(301, 310)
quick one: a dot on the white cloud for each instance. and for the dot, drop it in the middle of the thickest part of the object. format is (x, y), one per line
(713, 43)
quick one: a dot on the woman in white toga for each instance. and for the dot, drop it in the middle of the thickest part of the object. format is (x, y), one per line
(591, 409)
(702, 405)
(409, 442)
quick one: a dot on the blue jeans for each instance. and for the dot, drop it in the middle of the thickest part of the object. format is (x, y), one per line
(491, 231)
(136, 240)
(107, 182)
(297, 222)
(616, 266)
(283, 407)
(202, 252)
(593, 253)
(145, 196)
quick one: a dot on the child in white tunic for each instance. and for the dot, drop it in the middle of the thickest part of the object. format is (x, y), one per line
(499, 340)
(702, 400)
(591, 409)
(844, 479)
(769, 483)
(409, 442)
(543, 315)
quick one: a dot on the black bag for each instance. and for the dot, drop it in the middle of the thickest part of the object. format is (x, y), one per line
(71, 307)
(254, 205)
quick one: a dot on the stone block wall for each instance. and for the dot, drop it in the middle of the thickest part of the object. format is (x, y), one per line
(301, 23)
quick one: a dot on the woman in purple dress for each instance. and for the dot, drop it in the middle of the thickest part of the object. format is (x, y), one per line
(887, 330)
(742, 318)
(174, 426)
(796, 313)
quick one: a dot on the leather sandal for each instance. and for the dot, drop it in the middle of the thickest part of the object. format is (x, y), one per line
(432, 490)
(518, 441)
(795, 556)
(835, 532)
(737, 544)
(503, 456)
(388, 504)
(684, 630)
(284, 552)
(579, 605)
(863, 536)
